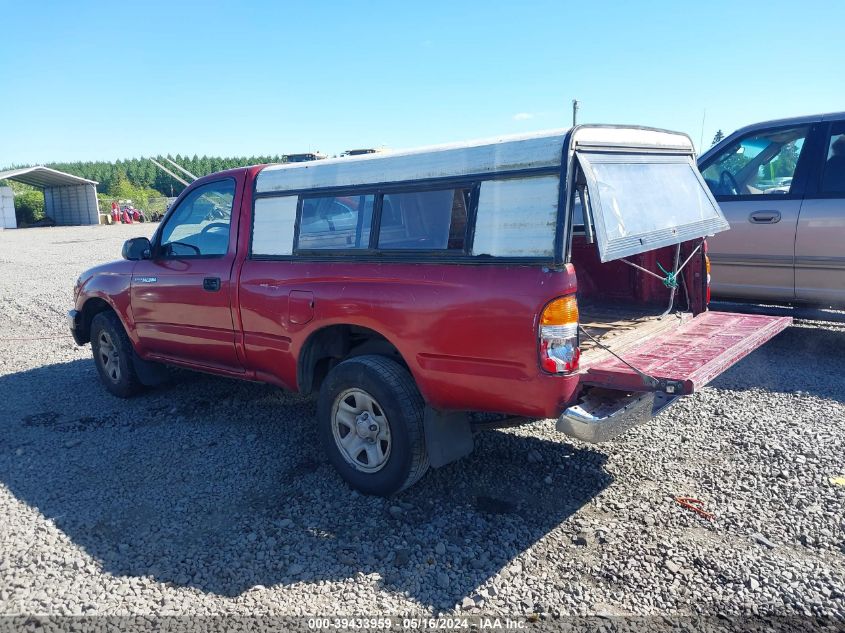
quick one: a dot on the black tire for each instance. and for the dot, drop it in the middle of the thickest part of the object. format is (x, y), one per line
(396, 394)
(118, 373)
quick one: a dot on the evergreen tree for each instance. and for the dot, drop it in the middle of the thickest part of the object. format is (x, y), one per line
(119, 187)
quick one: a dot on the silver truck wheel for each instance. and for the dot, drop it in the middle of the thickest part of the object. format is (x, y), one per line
(361, 430)
(370, 421)
(109, 357)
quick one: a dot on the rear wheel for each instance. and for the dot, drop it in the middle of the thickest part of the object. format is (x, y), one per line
(113, 355)
(370, 415)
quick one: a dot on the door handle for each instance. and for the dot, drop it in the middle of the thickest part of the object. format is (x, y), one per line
(212, 284)
(764, 217)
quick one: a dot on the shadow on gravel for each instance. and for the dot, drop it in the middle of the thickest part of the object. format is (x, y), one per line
(221, 486)
(809, 360)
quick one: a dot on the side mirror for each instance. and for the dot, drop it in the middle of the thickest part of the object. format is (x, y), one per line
(137, 248)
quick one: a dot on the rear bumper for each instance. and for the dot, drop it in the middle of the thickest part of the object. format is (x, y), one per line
(603, 415)
(667, 366)
(75, 325)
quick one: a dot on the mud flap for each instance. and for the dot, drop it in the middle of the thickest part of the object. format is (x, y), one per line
(448, 436)
(149, 373)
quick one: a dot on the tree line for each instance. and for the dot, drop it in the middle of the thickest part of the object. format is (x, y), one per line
(135, 179)
(142, 174)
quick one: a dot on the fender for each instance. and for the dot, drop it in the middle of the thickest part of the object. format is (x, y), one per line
(110, 283)
(305, 336)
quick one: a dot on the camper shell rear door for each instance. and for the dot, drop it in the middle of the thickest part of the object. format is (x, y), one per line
(644, 191)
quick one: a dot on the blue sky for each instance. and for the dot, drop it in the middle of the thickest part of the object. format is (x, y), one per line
(107, 80)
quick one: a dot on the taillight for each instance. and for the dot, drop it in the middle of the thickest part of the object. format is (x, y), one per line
(706, 275)
(559, 352)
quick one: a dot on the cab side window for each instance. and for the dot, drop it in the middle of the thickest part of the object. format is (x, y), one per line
(833, 170)
(762, 163)
(199, 226)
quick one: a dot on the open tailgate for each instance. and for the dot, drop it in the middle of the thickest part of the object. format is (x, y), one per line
(692, 355)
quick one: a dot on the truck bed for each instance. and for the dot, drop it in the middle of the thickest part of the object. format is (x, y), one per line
(621, 326)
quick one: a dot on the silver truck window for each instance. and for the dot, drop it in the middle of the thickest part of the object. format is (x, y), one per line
(640, 202)
(833, 176)
(762, 163)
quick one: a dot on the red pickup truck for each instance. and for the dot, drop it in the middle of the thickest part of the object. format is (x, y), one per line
(560, 274)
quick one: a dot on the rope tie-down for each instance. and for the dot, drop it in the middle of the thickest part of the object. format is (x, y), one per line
(668, 279)
(671, 279)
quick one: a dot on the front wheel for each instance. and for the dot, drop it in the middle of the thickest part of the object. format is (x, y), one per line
(370, 415)
(113, 355)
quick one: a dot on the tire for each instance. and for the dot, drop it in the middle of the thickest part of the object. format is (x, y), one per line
(113, 355)
(352, 429)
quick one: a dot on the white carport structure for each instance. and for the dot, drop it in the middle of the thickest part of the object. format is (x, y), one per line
(7, 209)
(68, 199)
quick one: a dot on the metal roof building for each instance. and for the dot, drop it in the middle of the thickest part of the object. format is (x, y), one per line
(68, 199)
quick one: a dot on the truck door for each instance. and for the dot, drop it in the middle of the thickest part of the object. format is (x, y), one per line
(759, 186)
(182, 296)
(820, 242)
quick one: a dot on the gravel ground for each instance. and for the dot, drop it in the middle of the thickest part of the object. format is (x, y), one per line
(209, 496)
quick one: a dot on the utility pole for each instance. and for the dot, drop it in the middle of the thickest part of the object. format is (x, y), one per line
(575, 106)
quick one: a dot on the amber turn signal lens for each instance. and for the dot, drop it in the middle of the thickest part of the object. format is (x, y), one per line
(561, 311)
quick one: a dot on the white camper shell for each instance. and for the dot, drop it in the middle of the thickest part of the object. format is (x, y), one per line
(640, 186)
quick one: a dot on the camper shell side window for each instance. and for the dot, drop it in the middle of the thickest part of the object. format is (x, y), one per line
(494, 219)
(432, 219)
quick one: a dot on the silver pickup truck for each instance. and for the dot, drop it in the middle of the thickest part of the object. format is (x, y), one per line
(781, 186)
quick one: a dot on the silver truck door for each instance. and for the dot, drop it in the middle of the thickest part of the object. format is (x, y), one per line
(754, 181)
(820, 240)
